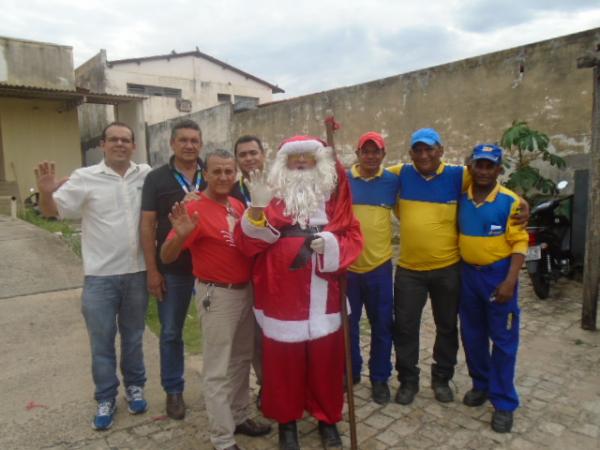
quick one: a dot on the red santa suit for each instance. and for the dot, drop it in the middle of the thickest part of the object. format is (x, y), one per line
(299, 309)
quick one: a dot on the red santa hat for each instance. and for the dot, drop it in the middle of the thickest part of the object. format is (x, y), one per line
(300, 144)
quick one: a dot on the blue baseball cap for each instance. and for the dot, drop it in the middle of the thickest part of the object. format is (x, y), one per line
(490, 152)
(427, 136)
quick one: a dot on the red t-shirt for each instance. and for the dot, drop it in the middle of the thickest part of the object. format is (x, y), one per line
(215, 256)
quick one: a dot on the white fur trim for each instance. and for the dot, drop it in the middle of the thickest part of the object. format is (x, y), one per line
(319, 323)
(298, 330)
(319, 217)
(318, 298)
(267, 233)
(292, 147)
(330, 261)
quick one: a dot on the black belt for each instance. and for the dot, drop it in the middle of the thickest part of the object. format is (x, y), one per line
(305, 252)
(297, 231)
(225, 285)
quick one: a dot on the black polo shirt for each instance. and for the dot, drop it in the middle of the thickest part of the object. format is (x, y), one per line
(241, 192)
(161, 190)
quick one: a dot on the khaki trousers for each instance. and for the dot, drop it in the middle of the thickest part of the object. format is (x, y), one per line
(227, 351)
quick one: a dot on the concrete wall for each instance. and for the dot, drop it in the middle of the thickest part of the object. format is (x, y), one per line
(36, 64)
(469, 101)
(214, 123)
(35, 130)
(91, 75)
(132, 113)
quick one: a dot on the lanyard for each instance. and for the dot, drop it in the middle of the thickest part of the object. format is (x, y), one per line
(243, 191)
(183, 182)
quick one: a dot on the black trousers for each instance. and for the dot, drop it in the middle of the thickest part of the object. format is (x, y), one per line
(411, 289)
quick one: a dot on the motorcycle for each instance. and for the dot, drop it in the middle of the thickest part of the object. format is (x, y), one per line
(549, 255)
(32, 201)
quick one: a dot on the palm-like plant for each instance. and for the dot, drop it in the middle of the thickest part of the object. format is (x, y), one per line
(524, 145)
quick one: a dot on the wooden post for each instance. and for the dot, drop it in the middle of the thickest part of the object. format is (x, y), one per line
(591, 272)
(330, 126)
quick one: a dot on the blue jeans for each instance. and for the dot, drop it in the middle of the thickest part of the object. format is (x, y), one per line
(374, 290)
(172, 312)
(110, 303)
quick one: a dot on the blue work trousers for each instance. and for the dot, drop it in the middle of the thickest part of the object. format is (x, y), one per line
(374, 290)
(482, 321)
(172, 311)
(111, 303)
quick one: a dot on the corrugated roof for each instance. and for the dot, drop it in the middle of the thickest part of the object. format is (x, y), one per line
(80, 95)
(197, 53)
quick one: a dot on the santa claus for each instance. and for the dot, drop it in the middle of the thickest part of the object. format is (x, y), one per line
(302, 230)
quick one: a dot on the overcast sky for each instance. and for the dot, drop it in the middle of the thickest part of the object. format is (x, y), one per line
(303, 46)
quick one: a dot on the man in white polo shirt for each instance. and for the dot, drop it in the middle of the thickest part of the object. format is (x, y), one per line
(107, 198)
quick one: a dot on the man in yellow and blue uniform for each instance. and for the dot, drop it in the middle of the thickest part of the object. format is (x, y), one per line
(428, 263)
(492, 251)
(374, 192)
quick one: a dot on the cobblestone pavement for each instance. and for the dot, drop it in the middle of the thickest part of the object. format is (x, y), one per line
(557, 378)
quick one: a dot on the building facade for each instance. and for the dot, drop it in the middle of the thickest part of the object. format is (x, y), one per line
(39, 100)
(174, 85)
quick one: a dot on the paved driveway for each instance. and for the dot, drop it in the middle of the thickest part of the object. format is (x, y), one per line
(46, 389)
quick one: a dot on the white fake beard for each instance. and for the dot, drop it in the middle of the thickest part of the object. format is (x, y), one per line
(303, 191)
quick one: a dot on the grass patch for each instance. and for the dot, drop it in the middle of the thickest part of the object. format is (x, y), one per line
(192, 337)
(191, 331)
(64, 229)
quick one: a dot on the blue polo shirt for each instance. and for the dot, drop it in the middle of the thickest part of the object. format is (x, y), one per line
(373, 200)
(486, 234)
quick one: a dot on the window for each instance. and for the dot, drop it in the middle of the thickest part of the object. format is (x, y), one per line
(243, 103)
(159, 91)
(246, 101)
(224, 98)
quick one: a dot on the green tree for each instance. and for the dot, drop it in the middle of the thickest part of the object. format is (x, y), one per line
(524, 145)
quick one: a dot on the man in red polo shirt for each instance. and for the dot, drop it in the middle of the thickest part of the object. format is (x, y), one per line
(224, 298)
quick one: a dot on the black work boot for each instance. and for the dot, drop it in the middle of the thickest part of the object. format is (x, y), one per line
(502, 421)
(475, 397)
(441, 389)
(288, 436)
(380, 392)
(442, 392)
(406, 392)
(330, 437)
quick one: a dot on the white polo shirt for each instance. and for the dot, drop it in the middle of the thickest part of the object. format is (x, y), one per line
(109, 206)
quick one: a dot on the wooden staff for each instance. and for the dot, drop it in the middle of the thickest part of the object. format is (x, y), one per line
(330, 127)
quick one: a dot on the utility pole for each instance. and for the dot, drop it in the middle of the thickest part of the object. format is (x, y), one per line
(591, 272)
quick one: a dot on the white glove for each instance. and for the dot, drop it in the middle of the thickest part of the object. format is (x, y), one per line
(318, 245)
(260, 192)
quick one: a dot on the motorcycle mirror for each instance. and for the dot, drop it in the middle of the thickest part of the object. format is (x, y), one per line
(562, 184)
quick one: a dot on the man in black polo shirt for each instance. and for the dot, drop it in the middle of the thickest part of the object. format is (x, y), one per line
(250, 155)
(171, 284)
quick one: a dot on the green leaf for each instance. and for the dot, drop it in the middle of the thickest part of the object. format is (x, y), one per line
(524, 145)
